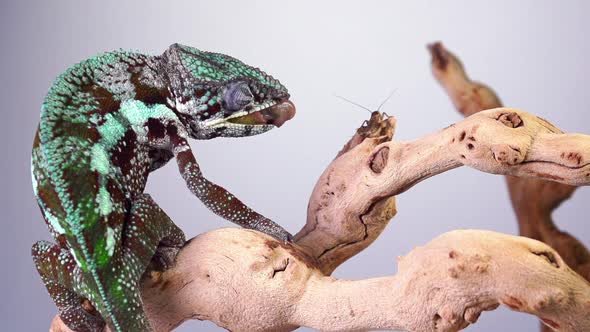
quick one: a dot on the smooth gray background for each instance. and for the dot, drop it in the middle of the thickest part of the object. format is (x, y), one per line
(534, 53)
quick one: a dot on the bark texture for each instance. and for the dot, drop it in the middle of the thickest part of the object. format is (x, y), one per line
(533, 200)
(246, 281)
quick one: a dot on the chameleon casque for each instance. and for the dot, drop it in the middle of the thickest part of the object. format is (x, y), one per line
(106, 123)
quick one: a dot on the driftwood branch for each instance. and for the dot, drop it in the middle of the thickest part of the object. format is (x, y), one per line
(353, 199)
(533, 200)
(245, 281)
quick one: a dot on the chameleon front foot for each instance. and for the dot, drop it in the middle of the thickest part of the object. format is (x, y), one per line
(273, 229)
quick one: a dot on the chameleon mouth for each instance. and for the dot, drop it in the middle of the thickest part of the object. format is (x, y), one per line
(275, 115)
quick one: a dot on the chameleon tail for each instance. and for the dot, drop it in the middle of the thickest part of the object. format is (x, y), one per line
(58, 271)
(148, 233)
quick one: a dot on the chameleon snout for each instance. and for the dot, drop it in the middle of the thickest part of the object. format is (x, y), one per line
(282, 113)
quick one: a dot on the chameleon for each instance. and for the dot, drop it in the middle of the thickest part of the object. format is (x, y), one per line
(106, 124)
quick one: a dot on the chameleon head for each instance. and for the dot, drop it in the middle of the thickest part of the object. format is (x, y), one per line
(217, 95)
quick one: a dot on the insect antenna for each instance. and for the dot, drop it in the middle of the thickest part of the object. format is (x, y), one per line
(366, 108)
(386, 99)
(354, 103)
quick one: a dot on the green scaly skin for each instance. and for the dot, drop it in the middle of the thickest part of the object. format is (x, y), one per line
(108, 122)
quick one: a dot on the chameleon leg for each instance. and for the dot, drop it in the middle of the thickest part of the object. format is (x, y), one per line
(58, 271)
(151, 234)
(219, 200)
(147, 230)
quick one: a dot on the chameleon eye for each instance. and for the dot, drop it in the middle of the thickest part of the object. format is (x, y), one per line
(237, 96)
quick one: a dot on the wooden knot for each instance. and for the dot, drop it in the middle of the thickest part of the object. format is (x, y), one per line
(379, 160)
(511, 120)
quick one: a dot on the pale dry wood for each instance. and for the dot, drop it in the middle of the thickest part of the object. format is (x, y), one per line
(533, 200)
(353, 199)
(246, 281)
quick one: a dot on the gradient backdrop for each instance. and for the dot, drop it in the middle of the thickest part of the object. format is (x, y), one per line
(534, 53)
